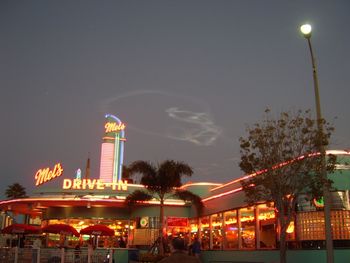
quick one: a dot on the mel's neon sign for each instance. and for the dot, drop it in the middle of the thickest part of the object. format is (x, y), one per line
(93, 184)
(46, 174)
(114, 127)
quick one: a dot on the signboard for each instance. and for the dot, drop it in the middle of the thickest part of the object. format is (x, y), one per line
(114, 127)
(112, 149)
(46, 174)
(177, 221)
(144, 221)
(319, 202)
(93, 184)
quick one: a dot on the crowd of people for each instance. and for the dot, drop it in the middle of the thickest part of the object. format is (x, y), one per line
(181, 252)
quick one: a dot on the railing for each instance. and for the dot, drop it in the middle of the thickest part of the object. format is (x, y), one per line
(55, 255)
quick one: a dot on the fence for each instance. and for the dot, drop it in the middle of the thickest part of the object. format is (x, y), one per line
(55, 255)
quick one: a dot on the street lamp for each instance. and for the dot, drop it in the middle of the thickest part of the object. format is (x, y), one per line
(306, 30)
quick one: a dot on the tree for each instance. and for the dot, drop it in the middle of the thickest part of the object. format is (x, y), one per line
(126, 174)
(162, 181)
(282, 157)
(15, 191)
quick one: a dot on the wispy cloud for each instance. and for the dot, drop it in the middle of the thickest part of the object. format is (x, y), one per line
(178, 123)
(195, 127)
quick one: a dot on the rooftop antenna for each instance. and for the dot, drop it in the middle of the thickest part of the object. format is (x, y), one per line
(87, 172)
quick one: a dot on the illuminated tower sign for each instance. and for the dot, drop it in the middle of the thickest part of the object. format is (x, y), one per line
(112, 150)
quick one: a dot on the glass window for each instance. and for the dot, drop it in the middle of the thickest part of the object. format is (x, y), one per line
(340, 224)
(247, 227)
(216, 223)
(231, 230)
(193, 228)
(205, 232)
(267, 226)
(310, 226)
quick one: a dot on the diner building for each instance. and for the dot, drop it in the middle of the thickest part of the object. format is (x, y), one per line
(227, 222)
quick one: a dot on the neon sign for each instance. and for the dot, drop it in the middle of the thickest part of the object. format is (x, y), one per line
(92, 184)
(319, 202)
(177, 221)
(114, 127)
(45, 174)
(112, 150)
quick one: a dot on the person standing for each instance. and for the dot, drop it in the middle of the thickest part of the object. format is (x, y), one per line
(36, 250)
(121, 242)
(178, 253)
(196, 248)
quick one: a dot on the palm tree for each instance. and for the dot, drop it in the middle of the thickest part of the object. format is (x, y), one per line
(126, 175)
(15, 191)
(162, 181)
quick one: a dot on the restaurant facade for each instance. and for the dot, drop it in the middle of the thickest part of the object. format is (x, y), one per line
(226, 224)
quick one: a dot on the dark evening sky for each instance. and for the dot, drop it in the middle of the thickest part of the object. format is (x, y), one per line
(185, 76)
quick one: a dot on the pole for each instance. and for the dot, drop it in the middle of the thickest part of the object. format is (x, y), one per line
(111, 255)
(37, 255)
(16, 254)
(62, 255)
(326, 194)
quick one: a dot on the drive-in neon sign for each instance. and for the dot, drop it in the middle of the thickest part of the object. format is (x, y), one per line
(46, 174)
(114, 127)
(92, 184)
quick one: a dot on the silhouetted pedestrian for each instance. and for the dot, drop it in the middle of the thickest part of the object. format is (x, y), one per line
(178, 249)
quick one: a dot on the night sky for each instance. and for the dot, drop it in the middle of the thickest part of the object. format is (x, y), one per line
(186, 77)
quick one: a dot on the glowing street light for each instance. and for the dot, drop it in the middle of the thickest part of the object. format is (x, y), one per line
(306, 30)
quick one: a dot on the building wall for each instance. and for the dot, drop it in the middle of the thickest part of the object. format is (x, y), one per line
(84, 212)
(153, 211)
(225, 203)
(113, 212)
(341, 179)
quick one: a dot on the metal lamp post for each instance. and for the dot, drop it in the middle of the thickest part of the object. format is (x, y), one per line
(306, 31)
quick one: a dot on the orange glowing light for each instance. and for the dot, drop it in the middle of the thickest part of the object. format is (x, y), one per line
(231, 221)
(247, 218)
(113, 138)
(290, 228)
(194, 228)
(199, 184)
(266, 216)
(44, 175)
(328, 152)
(222, 194)
(114, 127)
